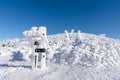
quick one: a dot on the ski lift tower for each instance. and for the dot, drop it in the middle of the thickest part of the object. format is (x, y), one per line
(38, 40)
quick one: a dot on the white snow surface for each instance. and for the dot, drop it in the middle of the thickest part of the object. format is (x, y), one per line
(83, 57)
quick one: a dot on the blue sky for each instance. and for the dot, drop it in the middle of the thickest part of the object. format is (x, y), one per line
(89, 16)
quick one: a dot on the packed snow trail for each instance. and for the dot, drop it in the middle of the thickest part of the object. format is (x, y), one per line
(83, 57)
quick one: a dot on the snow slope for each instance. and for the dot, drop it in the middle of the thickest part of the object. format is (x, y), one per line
(83, 57)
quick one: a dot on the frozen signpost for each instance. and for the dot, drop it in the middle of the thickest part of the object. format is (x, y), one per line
(38, 40)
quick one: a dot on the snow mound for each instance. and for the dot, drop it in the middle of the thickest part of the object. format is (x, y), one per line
(84, 50)
(70, 56)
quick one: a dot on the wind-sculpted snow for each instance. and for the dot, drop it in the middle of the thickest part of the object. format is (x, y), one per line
(83, 57)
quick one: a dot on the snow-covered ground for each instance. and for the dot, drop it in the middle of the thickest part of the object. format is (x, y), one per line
(81, 57)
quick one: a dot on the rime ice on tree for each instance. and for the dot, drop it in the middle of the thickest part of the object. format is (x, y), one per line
(67, 36)
(38, 40)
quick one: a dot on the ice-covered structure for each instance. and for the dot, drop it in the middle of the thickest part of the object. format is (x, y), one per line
(37, 38)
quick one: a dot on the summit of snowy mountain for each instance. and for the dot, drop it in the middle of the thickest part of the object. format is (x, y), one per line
(70, 56)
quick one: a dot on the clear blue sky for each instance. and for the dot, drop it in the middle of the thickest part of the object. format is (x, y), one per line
(90, 16)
